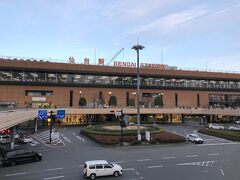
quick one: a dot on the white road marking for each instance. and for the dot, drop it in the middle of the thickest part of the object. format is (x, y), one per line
(17, 174)
(168, 157)
(189, 156)
(143, 160)
(78, 137)
(159, 166)
(218, 144)
(204, 163)
(137, 173)
(222, 172)
(56, 177)
(54, 169)
(214, 154)
(184, 164)
(81, 165)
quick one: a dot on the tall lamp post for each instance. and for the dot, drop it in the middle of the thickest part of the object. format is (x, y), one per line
(137, 48)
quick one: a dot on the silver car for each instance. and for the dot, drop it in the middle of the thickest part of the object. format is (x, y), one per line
(194, 138)
(215, 126)
(234, 128)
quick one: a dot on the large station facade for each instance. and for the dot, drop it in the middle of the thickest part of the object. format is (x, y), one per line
(40, 84)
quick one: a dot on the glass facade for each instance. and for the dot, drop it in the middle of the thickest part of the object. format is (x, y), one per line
(63, 78)
(224, 100)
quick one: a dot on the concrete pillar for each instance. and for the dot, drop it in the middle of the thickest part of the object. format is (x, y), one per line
(12, 137)
(35, 125)
(182, 117)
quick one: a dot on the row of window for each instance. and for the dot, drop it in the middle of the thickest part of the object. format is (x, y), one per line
(43, 77)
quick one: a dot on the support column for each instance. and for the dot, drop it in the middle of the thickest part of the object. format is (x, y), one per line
(182, 117)
(35, 125)
(12, 137)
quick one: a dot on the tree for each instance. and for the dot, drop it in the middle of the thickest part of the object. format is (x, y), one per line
(112, 101)
(82, 101)
(158, 101)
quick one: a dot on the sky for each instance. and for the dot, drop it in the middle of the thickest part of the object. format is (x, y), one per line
(189, 34)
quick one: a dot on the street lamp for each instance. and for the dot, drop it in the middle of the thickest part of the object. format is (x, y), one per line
(137, 48)
(109, 93)
(80, 93)
(134, 94)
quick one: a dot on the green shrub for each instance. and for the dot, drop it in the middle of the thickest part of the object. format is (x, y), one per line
(226, 134)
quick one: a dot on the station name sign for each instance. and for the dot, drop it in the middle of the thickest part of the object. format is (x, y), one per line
(143, 65)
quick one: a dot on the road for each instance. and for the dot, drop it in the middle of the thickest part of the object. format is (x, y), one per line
(168, 161)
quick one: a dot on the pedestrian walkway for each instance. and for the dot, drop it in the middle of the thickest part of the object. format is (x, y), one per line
(44, 137)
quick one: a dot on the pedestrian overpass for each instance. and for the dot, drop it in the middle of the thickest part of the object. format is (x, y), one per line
(10, 119)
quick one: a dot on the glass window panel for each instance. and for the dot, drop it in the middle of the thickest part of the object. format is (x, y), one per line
(17, 75)
(52, 77)
(5, 75)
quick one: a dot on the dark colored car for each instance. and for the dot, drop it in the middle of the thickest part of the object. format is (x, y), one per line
(19, 156)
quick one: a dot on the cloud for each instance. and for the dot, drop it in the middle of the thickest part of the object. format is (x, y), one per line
(170, 22)
(128, 10)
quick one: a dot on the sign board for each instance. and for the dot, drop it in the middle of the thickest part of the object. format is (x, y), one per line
(147, 135)
(61, 114)
(38, 98)
(42, 114)
(118, 113)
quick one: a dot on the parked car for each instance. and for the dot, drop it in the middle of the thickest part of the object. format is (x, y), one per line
(215, 126)
(132, 124)
(194, 138)
(98, 168)
(234, 128)
(4, 139)
(25, 139)
(18, 156)
(237, 122)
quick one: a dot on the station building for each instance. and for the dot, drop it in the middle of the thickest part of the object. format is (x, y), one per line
(29, 83)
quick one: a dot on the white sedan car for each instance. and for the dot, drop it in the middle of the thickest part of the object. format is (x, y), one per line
(215, 126)
(194, 138)
(234, 128)
(96, 168)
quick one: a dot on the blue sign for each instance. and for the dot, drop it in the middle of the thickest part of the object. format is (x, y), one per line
(42, 114)
(60, 114)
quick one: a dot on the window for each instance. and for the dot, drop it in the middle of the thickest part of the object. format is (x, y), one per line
(99, 166)
(38, 93)
(92, 167)
(107, 166)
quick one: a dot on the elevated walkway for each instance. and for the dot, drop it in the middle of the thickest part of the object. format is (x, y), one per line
(10, 119)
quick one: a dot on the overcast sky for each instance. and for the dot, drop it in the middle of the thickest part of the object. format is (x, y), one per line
(196, 34)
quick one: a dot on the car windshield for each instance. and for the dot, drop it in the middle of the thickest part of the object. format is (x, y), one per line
(195, 136)
(110, 164)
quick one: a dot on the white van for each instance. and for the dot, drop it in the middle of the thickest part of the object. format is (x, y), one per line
(98, 168)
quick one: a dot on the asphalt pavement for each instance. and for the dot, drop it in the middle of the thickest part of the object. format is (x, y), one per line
(166, 161)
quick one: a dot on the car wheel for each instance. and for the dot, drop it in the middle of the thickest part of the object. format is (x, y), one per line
(13, 163)
(116, 173)
(92, 176)
(36, 158)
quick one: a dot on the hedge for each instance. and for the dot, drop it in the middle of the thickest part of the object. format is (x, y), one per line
(226, 134)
